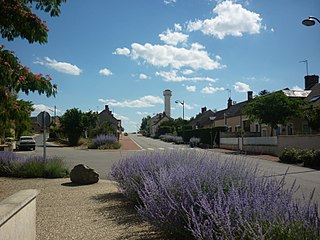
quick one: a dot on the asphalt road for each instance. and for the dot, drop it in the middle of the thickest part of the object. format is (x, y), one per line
(102, 161)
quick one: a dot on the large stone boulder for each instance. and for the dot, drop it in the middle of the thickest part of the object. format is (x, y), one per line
(82, 174)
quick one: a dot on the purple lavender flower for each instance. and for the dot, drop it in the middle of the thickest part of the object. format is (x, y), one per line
(192, 195)
(103, 139)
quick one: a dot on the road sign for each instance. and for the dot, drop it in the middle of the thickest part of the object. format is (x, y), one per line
(43, 119)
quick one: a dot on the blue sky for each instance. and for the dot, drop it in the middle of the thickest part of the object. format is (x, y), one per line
(124, 53)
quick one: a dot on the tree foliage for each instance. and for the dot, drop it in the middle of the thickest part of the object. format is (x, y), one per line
(72, 125)
(273, 109)
(145, 126)
(18, 20)
(312, 114)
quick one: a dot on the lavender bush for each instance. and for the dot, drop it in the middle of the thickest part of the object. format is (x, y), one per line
(171, 138)
(194, 142)
(103, 141)
(192, 195)
(12, 165)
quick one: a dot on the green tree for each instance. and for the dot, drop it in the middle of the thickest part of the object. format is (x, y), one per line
(145, 124)
(312, 114)
(18, 20)
(273, 109)
(90, 120)
(72, 125)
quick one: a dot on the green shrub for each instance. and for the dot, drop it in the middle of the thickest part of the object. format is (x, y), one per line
(289, 155)
(305, 155)
(314, 161)
(55, 168)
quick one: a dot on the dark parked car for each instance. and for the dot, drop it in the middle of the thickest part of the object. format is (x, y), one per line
(26, 142)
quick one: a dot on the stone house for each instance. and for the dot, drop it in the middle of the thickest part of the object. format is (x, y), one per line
(106, 116)
(233, 117)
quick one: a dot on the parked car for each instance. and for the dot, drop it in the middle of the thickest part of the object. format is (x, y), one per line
(26, 142)
(10, 142)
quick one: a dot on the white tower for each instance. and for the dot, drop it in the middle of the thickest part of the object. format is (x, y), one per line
(167, 102)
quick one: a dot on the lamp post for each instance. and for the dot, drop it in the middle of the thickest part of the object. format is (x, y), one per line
(310, 21)
(182, 103)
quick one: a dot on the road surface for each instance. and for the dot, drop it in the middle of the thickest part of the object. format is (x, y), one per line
(102, 161)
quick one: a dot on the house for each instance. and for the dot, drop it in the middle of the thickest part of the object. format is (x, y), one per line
(233, 117)
(106, 116)
(156, 121)
(203, 120)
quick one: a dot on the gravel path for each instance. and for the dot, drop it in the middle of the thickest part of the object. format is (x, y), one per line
(67, 211)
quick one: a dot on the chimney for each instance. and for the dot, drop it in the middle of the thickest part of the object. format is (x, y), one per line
(204, 109)
(229, 102)
(250, 95)
(310, 81)
(167, 102)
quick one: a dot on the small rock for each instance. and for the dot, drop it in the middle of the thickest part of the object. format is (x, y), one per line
(82, 174)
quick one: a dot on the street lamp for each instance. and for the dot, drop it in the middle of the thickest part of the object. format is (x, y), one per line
(310, 21)
(182, 103)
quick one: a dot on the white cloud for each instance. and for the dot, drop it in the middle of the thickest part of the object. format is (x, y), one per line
(142, 76)
(297, 88)
(41, 107)
(187, 71)
(191, 88)
(165, 55)
(177, 27)
(144, 113)
(173, 38)
(143, 102)
(62, 67)
(122, 118)
(105, 72)
(232, 19)
(122, 51)
(169, 1)
(173, 77)
(211, 90)
(241, 87)
(186, 106)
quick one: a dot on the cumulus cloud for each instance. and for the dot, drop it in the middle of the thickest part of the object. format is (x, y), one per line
(187, 71)
(142, 76)
(144, 113)
(211, 90)
(122, 51)
(62, 67)
(172, 76)
(241, 87)
(120, 117)
(191, 88)
(232, 19)
(41, 107)
(297, 88)
(173, 38)
(105, 72)
(194, 57)
(143, 102)
(167, 2)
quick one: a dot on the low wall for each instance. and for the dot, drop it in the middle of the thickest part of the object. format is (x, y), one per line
(299, 141)
(18, 216)
(271, 145)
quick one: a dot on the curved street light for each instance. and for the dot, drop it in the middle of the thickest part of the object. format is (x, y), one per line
(310, 21)
(182, 103)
